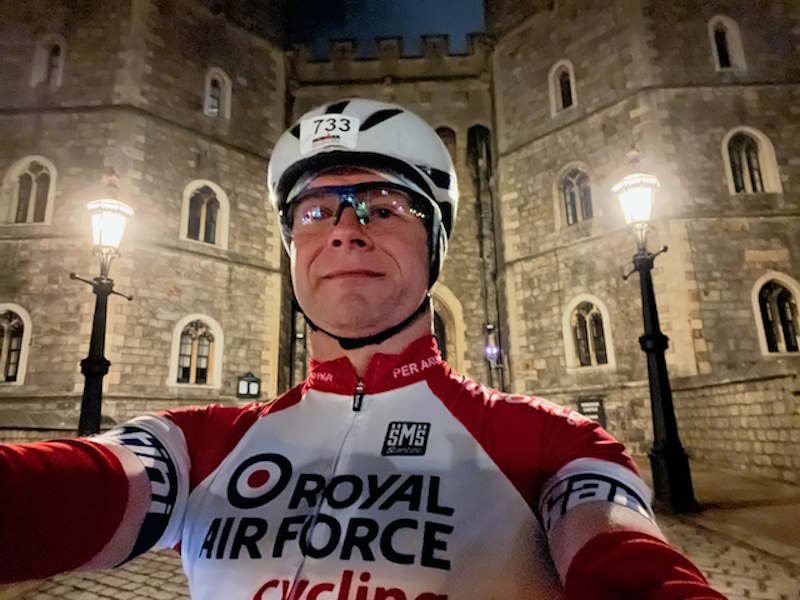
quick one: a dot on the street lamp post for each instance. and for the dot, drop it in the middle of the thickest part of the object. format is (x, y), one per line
(109, 217)
(672, 479)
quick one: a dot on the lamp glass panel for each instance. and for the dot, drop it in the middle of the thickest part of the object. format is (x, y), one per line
(109, 218)
(254, 388)
(242, 387)
(637, 204)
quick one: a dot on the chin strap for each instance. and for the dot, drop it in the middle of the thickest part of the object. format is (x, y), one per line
(353, 343)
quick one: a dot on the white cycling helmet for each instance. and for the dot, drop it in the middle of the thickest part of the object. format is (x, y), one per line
(357, 132)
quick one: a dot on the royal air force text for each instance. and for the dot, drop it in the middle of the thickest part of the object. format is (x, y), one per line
(318, 532)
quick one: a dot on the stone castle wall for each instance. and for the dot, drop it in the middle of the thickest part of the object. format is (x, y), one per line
(751, 424)
(646, 80)
(131, 99)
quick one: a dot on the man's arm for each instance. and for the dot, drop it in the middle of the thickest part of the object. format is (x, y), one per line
(91, 503)
(65, 505)
(605, 542)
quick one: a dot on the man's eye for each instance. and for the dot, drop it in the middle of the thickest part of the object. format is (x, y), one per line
(314, 214)
(383, 212)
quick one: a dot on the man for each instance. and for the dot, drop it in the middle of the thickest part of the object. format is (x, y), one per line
(385, 475)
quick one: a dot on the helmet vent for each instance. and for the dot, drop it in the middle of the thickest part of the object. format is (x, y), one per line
(379, 117)
(337, 107)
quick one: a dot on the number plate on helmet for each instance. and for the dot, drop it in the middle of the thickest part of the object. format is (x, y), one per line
(328, 130)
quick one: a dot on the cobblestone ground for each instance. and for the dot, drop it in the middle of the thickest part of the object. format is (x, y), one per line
(737, 570)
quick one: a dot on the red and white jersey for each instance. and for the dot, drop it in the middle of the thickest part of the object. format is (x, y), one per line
(413, 484)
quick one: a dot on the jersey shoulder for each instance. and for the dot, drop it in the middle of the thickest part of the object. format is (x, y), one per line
(528, 437)
(212, 432)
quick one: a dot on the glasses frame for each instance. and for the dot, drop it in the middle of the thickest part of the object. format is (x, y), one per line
(348, 195)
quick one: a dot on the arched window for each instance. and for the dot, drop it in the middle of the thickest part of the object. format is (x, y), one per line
(217, 101)
(587, 331)
(576, 196)
(48, 61)
(779, 317)
(750, 161)
(449, 138)
(14, 341)
(197, 352)
(726, 43)
(29, 186)
(587, 334)
(745, 166)
(561, 81)
(205, 213)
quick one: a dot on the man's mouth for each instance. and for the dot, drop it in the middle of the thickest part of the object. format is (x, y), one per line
(344, 273)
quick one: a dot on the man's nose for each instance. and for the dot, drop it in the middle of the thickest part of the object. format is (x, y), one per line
(349, 230)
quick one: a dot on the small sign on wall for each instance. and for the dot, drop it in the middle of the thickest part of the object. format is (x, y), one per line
(593, 409)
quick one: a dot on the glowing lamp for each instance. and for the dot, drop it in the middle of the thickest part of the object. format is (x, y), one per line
(109, 218)
(636, 194)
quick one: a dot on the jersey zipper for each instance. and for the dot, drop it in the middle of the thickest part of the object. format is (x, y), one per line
(358, 399)
(358, 396)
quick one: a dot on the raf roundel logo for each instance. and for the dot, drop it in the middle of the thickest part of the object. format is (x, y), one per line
(258, 480)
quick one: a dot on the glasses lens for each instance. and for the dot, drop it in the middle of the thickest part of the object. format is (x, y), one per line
(377, 206)
(314, 208)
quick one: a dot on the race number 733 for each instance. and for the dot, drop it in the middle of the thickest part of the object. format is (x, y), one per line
(330, 124)
(328, 130)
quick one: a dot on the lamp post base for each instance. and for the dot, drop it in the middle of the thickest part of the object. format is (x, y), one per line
(672, 480)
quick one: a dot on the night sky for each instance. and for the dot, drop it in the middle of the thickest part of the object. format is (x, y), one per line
(315, 22)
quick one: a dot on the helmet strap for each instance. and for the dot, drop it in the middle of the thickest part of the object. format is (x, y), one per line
(353, 343)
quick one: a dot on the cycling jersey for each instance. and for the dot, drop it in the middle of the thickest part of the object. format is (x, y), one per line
(413, 483)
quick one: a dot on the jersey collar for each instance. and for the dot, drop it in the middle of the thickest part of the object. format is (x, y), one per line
(418, 361)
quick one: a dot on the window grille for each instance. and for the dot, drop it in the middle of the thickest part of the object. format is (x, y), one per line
(33, 191)
(598, 339)
(185, 358)
(203, 211)
(576, 192)
(589, 335)
(212, 207)
(745, 164)
(203, 349)
(779, 317)
(11, 330)
(195, 354)
(581, 340)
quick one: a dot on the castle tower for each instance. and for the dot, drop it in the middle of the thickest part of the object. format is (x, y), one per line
(705, 96)
(182, 101)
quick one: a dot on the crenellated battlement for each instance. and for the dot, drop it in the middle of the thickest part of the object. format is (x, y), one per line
(434, 60)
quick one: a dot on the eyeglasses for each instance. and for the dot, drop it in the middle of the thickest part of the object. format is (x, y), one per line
(379, 206)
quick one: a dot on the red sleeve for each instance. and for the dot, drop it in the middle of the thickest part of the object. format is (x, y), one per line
(631, 564)
(60, 503)
(212, 432)
(529, 438)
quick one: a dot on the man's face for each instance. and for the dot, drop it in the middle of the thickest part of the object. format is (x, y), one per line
(354, 282)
